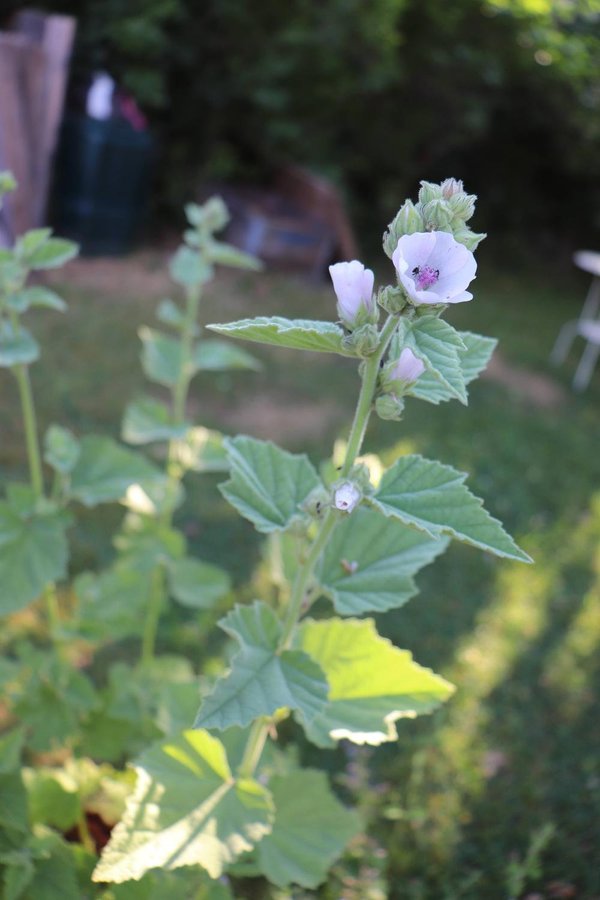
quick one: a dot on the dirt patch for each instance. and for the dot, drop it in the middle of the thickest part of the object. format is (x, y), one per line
(540, 390)
(275, 418)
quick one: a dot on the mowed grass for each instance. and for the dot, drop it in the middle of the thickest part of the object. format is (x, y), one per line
(462, 797)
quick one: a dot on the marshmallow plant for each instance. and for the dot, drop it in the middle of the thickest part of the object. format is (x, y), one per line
(223, 795)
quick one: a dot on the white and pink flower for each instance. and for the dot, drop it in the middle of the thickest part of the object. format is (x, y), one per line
(353, 285)
(434, 268)
(408, 368)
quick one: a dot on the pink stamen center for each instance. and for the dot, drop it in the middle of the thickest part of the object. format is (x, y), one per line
(425, 277)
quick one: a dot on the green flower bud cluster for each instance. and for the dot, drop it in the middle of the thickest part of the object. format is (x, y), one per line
(389, 407)
(363, 340)
(441, 207)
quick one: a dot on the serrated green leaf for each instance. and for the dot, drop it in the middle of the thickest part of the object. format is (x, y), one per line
(202, 450)
(147, 420)
(197, 584)
(11, 745)
(161, 356)
(13, 803)
(187, 809)
(438, 345)
(261, 679)
(189, 269)
(227, 255)
(310, 831)
(170, 314)
(111, 604)
(369, 563)
(51, 799)
(53, 704)
(17, 347)
(37, 295)
(220, 356)
(146, 543)
(61, 449)
(51, 254)
(371, 682)
(55, 875)
(267, 485)
(432, 497)
(473, 360)
(297, 334)
(32, 240)
(33, 554)
(105, 470)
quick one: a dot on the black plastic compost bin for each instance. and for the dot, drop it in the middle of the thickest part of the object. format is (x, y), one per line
(102, 183)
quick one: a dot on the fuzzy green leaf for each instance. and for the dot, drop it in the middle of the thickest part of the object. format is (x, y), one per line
(261, 680)
(187, 809)
(439, 346)
(371, 682)
(61, 449)
(16, 347)
(310, 831)
(472, 361)
(220, 356)
(432, 497)
(51, 254)
(370, 563)
(112, 604)
(227, 255)
(147, 420)
(297, 334)
(161, 356)
(197, 584)
(36, 295)
(105, 470)
(33, 552)
(267, 484)
(189, 269)
(202, 450)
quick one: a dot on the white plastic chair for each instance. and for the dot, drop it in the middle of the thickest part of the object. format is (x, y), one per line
(586, 326)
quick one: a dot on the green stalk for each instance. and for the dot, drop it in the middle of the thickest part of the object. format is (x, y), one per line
(21, 373)
(179, 398)
(157, 592)
(260, 728)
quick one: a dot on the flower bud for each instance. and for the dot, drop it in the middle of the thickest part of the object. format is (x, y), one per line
(353, 285)
(392, 299)
(318, 500)
(429, 192)
(346, 496)
(462, 206)
(407, 221)
(406, 369)
(363, 341)
(437, 215)
(450, 187)
(389, 407)
(468, 238)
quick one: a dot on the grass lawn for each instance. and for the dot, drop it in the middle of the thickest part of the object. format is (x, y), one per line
(512, 760)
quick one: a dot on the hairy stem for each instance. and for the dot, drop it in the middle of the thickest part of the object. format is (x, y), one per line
(21, 373)
(260, 728)
(153, 610)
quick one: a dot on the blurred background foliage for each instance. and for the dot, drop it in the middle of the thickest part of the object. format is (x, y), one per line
(505, 93)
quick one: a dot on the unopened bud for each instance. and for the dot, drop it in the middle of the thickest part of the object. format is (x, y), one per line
(363, 341)
(346, 496)
(450, 187)
(429, 192)
(408, 220)
(389, 407)
(469, 238)
(437, 215)
(406, 369)
(462, 206)
(392, 299)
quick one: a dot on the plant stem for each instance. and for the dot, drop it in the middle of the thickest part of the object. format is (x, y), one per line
(260, 728)
(254, 748)
(153, 611)
(21, 373)
(365, 399)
